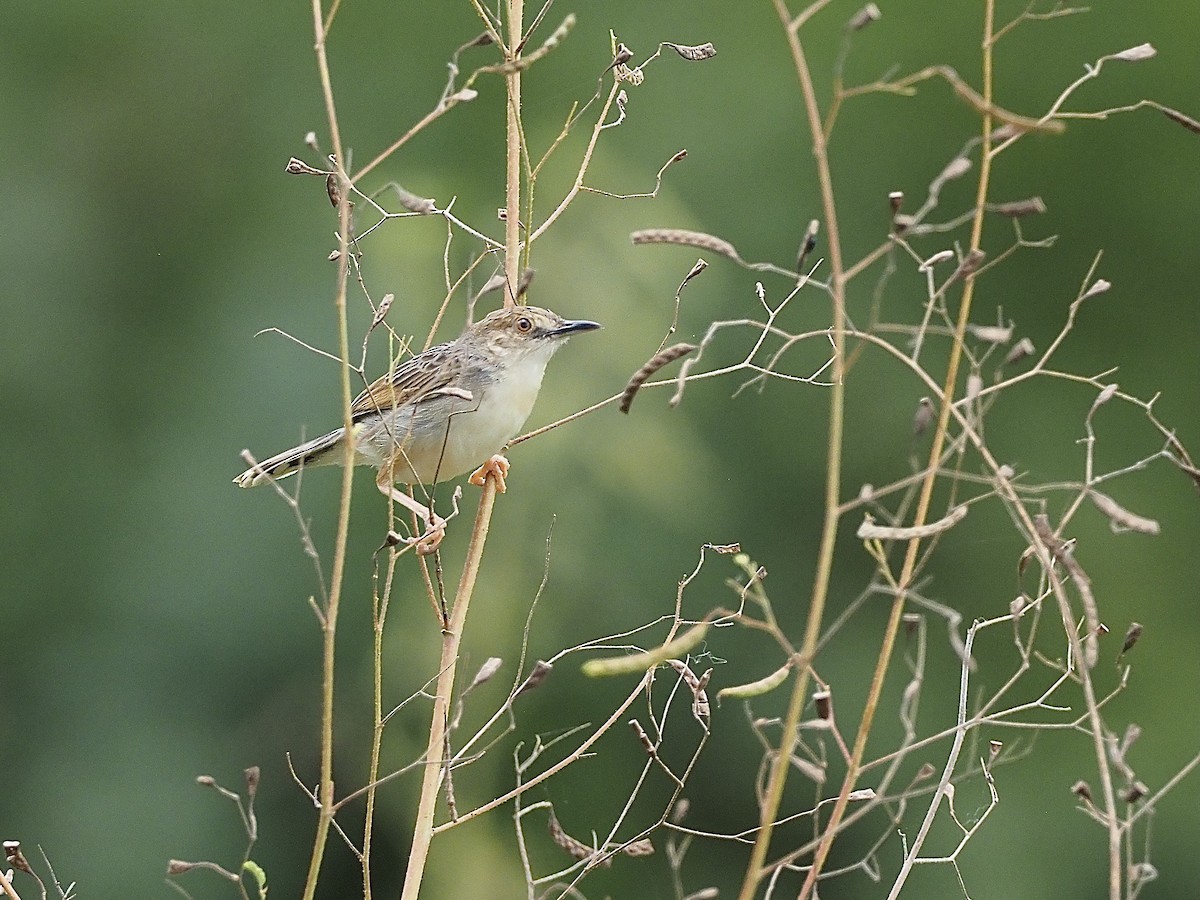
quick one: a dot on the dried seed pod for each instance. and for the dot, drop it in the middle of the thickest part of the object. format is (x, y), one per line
(823, 703)
(1136, 54)
(940, 257)
(864, 17)
(694, 54)
(1016, 209)
(382, 310)
(1132, 634)
(644, 847)
(868, 530)
(413, 203)
(1179, 118)
(540, 670)
(639, 662)
(300, 167)
(991, 334)
(1082, 790)
(1119, 518)
(755, 688)
(1134, 792)
(1023, 349)
(656, 362)
(576, 848)
(490, 667)
(697, 239)
(808, 244)
(922, 417)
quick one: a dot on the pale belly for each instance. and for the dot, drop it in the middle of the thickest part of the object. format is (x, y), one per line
(447, 436)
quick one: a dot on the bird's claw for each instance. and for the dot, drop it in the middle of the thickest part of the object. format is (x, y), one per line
(495, 465)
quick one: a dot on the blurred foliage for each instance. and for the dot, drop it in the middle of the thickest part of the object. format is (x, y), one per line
(156, 623)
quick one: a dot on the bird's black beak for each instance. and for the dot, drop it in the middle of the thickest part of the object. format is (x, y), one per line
(571, 327)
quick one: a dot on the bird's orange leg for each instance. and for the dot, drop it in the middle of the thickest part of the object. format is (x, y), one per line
(435, 525)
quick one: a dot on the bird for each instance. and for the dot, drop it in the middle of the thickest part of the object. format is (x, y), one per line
(441, 413)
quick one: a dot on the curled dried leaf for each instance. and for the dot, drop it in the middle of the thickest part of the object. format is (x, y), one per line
(1099, 286)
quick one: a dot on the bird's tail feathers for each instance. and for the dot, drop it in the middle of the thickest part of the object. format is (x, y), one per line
(312, 453)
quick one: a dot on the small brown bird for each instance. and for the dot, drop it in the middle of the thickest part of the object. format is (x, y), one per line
(443, 412)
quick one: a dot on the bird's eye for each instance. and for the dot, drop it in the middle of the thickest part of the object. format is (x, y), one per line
(524, 324)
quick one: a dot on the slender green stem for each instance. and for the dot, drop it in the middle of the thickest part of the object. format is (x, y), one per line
(325, 790)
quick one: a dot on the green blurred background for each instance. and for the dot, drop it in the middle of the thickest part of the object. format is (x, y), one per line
(155, 618)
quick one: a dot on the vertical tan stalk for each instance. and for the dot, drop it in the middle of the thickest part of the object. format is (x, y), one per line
(512, 205)
(431, 782)
(325, 791)
(927, 483)
(781, 764)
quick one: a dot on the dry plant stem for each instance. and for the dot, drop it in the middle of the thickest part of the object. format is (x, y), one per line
(7, 888)
(781, 764)
(431, 782)
(325, 806)
(512, 206)
(926, 492)
(380, 617)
